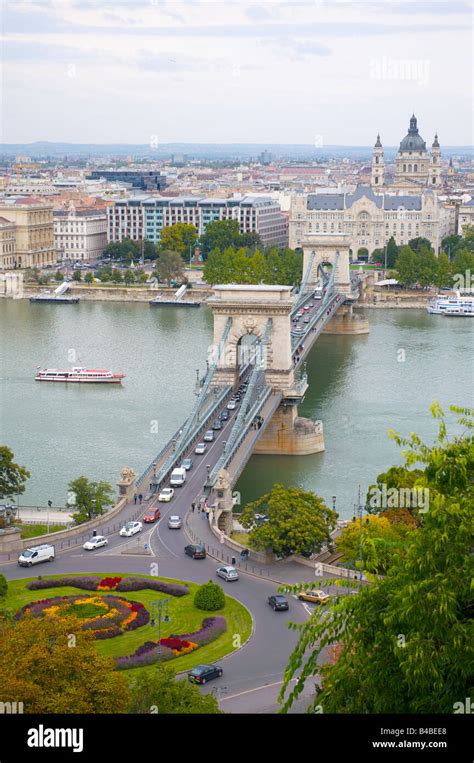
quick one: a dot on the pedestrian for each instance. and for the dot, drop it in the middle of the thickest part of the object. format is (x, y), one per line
(199, 507)
(140, 498)
(135, 498)
(193, 506)
(206, 505)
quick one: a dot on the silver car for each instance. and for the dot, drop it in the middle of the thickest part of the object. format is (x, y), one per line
(174, 523)
(227, 573)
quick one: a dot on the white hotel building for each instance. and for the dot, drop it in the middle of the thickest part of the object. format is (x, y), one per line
(143, 217)
(80, 235)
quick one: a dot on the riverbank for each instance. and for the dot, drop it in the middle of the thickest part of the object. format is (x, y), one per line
(113, 293)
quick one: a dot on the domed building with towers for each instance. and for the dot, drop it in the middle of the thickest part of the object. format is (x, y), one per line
(415, 168)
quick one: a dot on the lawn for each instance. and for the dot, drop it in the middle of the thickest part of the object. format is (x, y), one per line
(32, 531)
(184, 618)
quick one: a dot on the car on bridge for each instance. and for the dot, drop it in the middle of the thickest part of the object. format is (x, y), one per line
(278, 603)
(174, 522)
(200, 448)
(217, 425)
(201, 674)
(131, 528)
(316, 597)
(227, 573)
(195, 551)
(306, 320)
(232, 405)
(187, 464)
(152, 515)
(208, 436)
(166, 494)
(224, 415)
(97, 541)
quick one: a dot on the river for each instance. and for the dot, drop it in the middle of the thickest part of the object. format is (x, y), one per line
(360, 387)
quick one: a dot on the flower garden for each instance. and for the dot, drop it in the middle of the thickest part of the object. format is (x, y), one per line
(117, 610)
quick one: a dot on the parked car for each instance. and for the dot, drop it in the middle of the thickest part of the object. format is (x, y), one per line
(259, 518)
(187, 464)
(166, 494)
(208, 436)
(317, 597)
(97, 541)
(200, 448)
(131, 528)
(36, 554)
(152, 515)
(174, 522)
(278, 602)
(217, 424)
(195, 551)
(227, 573)
(224, 415)
(201, 674)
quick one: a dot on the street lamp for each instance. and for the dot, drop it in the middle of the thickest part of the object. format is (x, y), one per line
(360, 509)
(154, 468)
(334, 503)
(159, 612)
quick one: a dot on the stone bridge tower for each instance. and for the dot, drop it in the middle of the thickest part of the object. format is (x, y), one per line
(322, 248)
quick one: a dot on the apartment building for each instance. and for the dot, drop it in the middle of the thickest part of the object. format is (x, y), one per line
(80, 235)
(34, 231)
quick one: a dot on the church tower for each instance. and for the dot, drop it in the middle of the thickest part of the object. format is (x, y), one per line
(435, 164)
(378, 165)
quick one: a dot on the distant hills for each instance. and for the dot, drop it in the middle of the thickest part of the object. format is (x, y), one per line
(210, 151)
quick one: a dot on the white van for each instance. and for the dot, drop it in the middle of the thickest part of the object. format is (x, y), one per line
(178, 477)
(36, 554)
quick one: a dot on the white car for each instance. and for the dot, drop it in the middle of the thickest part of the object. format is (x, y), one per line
(227, 573)
(166, 494)
(95, 542)
(174, 523)
(131, 528)
(200, 448)
(231, 405)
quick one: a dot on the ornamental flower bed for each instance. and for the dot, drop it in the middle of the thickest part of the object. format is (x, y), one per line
(114, 616)
(173, 646)
(124, 585)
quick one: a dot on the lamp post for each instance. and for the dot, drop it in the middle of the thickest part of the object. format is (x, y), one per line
(159, 612)
(334, 502)
(360, 509)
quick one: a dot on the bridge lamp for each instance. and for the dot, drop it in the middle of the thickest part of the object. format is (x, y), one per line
(154, 468)
(334, 503)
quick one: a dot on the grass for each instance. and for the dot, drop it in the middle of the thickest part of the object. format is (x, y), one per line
(242, 538)
(184, 618)
(32, 531)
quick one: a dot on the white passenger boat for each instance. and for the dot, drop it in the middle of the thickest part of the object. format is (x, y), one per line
(452, 305)
(79, 375)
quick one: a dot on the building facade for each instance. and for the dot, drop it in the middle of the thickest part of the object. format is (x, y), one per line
(415, 168)
(80, 235)
(7, 244)
(144, 217)
(147, 180)
(34, 232)
(370, 219)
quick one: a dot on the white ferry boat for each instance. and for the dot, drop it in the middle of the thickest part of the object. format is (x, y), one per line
(79, 375)
(452, 305)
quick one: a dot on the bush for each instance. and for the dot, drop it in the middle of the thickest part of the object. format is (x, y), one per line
(139, 584)
(211, 628)
(3, 586)
(209, 597)
(125, 584)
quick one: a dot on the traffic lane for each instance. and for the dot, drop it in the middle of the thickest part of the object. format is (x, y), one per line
(264, 699)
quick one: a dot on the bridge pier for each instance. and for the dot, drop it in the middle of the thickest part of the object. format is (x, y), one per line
(288, 434)
(345, 321)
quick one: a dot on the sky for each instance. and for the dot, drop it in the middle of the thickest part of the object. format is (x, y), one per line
(264, 71)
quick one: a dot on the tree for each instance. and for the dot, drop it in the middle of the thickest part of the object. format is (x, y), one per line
(443, 271)
(392, 253)
(382, 542)
(149, 249)
(250, 240)
(298, 521)
(12, 476)
(52, 666)
(398, 477)
(418, 243)
(180, 237)
(216, 267)
(209, 597)
(116, 276)
(426, 266)
(3, 586)
(89, 278)
(220, 234)
(160, 692)
(76, 276)
(58, 276)
(406, 641)
(363, 253)
(129, 277)
(450, 244)
(90, 499)
(406, 266)
(169, 266)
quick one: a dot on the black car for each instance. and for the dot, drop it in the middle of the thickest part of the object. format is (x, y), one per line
(195, 551)
(201, 674)
(217, 424)
(224, 415)
(278, 602)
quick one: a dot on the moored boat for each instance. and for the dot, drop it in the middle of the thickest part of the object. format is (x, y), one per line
(452, 304)
(79, 375)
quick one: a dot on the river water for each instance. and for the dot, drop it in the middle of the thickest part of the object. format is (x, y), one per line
(360, 387)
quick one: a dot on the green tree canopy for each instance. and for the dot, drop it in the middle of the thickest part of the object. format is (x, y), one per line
(160, 692)
(12, 476)
(406, 642)
(298, 521)
(406, 266)
(180, 237)
(90, 499)
(418, 243)
(169, 266)
(220, 234)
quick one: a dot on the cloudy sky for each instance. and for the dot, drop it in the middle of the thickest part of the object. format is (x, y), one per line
(267, 71)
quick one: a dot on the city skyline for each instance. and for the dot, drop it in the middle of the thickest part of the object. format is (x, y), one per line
(158, 72)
